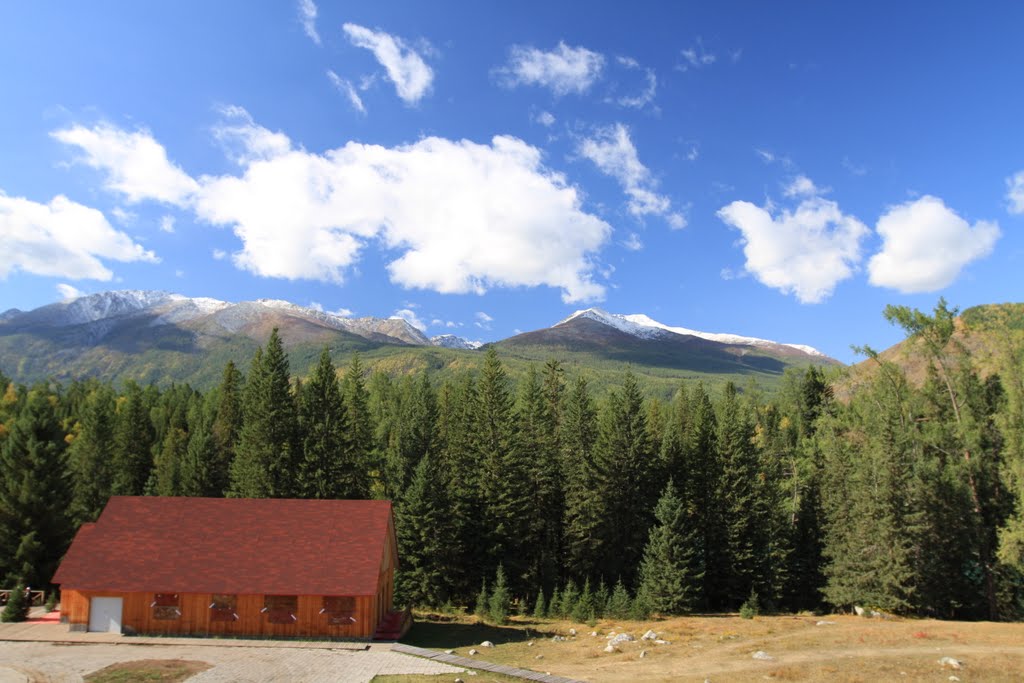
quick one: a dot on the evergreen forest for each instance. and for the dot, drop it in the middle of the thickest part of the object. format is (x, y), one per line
(547, 496)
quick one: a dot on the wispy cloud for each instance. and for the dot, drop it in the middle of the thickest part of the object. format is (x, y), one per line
(649, 91)
(307, 15)
(348, 90)
(167, 224)
(613, 152)
(564, 69)
(1015, 193)
(696, 57)
(405, 67)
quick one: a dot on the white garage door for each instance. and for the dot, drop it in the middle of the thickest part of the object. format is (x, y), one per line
(105, 615)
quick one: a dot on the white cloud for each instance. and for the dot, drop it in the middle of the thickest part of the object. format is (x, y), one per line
(650, 89)
(1015, 192)
(124, 217)
(633, 242)
(316, 306)
(483, 321)
(546, 118)
(802, 186)
(179, 273)
(405, 67)
(805, 252)
(854, 169)
(348, 90)
(696, 57)
(68, 293)
(244, 141)
(219, 254)
(167, 224)
(925, 245)
(612, 150)
(410, 317)
(307, 15)
(342, 312)
(564, 69)
(135, 164)
(61, 239)
(464, 216)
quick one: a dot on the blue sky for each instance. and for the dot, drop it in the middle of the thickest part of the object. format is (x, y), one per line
(780, 170)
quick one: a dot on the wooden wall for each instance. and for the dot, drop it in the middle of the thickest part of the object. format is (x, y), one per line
(137, 616)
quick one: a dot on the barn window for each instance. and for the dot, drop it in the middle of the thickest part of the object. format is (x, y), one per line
(166, 606)
(340, 611)
(281, 609)
(224, 608)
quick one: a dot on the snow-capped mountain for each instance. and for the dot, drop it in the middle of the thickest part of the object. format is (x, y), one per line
(450, 341)
(644, 327)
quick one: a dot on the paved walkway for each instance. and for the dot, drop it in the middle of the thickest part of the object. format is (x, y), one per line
(483, 666)
(26, 662)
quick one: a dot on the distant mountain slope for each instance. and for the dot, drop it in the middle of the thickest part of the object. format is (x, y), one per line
(594, 336)
(988, 332)
(162, 337)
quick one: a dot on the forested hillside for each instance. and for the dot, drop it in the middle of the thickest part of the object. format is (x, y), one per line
(907, 497)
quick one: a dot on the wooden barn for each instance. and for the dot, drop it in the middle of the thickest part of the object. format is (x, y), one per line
(234, 567)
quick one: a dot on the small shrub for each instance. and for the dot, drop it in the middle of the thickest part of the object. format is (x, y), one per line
(51, 601)
(481, 602)
(752, 607)
(498, 605)
(17, 605)
(540, 608)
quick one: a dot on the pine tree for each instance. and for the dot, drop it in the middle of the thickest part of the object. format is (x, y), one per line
(325, 444)
(584, 511)
(626, 466)
(505, 483)
(873, 500)
(540, 607)
(458, 462)
(354, 481)
(166, 479)
(499, 603)
(423, 529)
(34, 490)
(197, 474)
(133, 443)
(585, 608)
(225, 428)
(482, 607)
(411, 434)
(90, 455)
(619, 604)
(536, 437)
(17, 606)
(267, 449)
(745, 532)
(672, 572)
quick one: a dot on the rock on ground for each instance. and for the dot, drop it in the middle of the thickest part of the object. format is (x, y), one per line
(650, 635)
(762, 655)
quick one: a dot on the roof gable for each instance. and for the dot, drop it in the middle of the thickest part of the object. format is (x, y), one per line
(230, 545)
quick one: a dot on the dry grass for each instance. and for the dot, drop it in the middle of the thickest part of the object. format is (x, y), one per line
(166, 670)
(721, 648)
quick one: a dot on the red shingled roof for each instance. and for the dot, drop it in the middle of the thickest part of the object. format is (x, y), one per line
(230, 545)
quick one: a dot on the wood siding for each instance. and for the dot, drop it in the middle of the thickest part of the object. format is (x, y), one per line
(137, 616)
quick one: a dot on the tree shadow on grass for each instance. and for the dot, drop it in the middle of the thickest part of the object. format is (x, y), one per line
(445, 635)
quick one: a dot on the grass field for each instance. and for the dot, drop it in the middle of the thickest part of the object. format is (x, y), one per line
(721, 648)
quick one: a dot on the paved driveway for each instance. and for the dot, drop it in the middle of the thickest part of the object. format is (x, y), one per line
(45, 662)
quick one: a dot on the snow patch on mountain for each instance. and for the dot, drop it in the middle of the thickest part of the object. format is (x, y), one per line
(645, 327)
(450, 341)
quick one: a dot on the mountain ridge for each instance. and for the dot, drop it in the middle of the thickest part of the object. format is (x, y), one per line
(160, 336)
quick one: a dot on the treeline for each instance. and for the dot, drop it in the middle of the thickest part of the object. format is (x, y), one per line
(903, 499)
